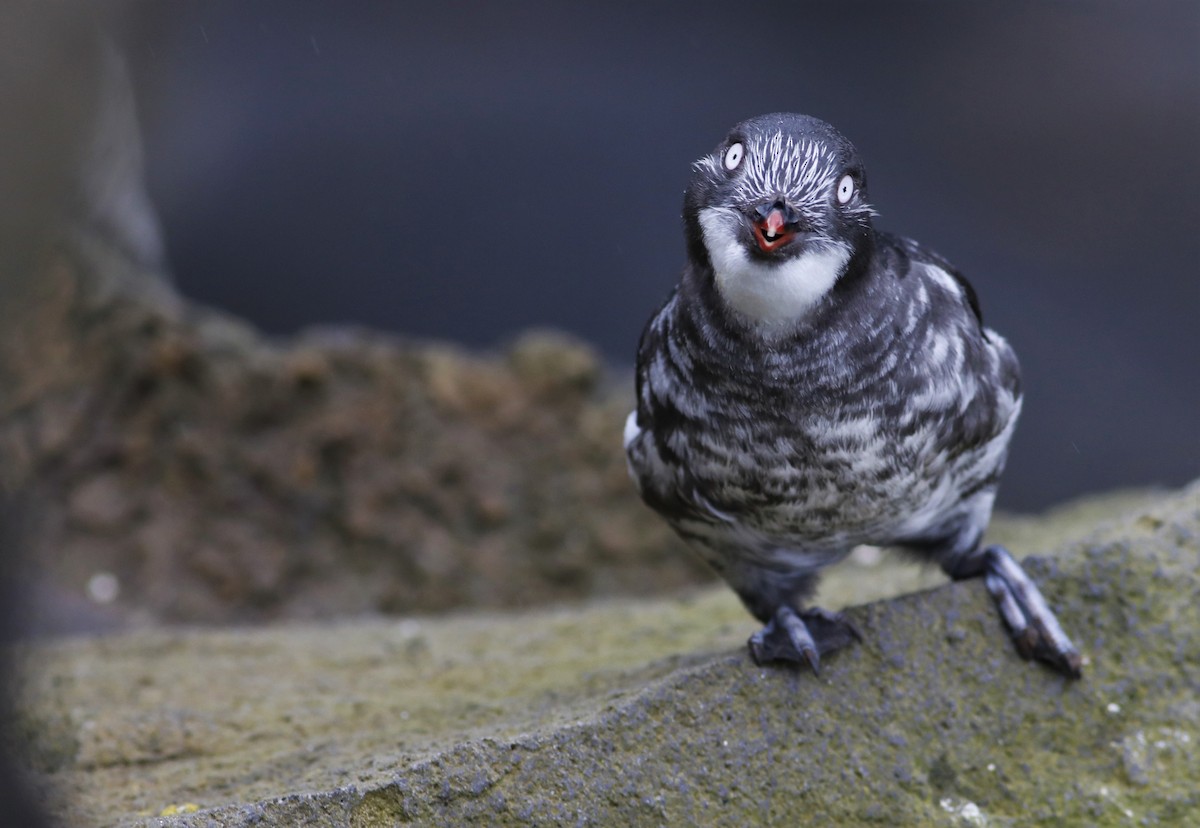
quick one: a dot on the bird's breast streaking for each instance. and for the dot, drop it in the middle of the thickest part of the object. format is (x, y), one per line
(813, 384)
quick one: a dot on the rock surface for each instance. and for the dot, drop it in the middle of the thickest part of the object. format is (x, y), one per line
(337, 472)
(626, 712)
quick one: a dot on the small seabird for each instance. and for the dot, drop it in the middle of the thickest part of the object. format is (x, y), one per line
(813, 384)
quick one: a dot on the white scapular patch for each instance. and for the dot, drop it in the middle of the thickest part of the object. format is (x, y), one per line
(943, 279)
(632, 432)
(631, 429)
(770, 295)
(939, 349)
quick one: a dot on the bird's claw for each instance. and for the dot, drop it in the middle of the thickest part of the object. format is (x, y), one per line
(802, 637)
(1034, 628)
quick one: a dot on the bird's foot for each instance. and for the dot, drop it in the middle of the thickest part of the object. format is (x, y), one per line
(802, 636)
(1029, 618)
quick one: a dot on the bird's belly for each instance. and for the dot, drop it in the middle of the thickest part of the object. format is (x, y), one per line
(828, 485)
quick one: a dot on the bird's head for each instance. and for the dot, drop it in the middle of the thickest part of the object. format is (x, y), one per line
(778, 210)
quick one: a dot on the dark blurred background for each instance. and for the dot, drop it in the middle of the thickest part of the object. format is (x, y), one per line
(464, 170)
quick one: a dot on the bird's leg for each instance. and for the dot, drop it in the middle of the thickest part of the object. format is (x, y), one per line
(1028, 617)
(802, 636)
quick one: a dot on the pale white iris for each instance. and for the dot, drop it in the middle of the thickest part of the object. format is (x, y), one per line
(845, 189)
(733, 156)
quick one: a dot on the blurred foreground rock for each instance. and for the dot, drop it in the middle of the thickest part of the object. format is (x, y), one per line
(648, 713)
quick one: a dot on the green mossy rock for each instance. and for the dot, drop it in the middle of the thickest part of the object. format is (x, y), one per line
(645, 713)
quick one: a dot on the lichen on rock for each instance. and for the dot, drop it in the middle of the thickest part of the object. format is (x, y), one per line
(635, 711)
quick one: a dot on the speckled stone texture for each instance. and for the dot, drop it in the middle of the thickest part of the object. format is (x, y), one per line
(215, 475)
(644, 713)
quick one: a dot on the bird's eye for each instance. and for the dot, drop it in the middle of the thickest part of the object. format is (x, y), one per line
(845, 189)
(733, 156)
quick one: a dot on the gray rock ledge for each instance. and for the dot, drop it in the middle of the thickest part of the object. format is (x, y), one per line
(650, 713)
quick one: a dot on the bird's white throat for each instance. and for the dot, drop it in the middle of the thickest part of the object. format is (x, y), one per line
(771, 296)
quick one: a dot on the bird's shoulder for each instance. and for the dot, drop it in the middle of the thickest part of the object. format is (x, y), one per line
(652, 331)
(904, 256)
(948, 354)
(650, 343)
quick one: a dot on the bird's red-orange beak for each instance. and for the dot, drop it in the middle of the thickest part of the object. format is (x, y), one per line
(774, 229)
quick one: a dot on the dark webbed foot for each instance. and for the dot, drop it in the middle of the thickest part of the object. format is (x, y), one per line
(802, 636)
(1029, 618)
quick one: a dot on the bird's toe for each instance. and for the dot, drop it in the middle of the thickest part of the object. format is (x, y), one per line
(802, 637)
(1034, 628)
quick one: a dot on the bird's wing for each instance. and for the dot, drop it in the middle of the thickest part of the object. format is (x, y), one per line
(923, 255)
(664, 481)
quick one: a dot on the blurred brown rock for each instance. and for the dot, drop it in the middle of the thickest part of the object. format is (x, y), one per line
(206, 473)
(223, 476)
